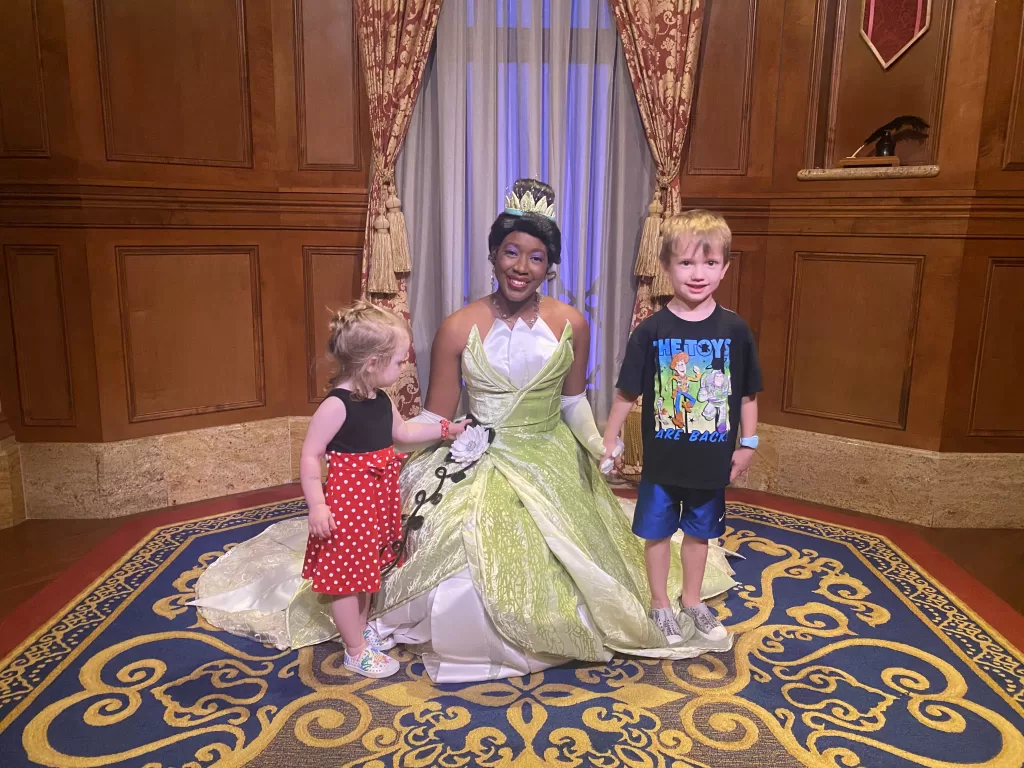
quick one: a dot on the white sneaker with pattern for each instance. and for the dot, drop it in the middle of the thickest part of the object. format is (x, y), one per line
(372, 663)
(370, 636)
(705, 622)
(666, 622)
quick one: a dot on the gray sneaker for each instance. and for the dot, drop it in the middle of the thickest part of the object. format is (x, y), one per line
(667, 623)
(705, 623)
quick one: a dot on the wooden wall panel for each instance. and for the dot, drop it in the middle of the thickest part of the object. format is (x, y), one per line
(193, 332)
(179, 201)
(5, 425)
(996, 408)
(1013, 152)
(852, 330)
(728, 293)
(332, 283)
(852, 95)
(326, 85)
(175, 81)
(23, 131)
(35, 285)
(720, 123)
(1001, 158)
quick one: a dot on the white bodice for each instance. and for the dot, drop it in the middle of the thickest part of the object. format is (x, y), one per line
(519, 353)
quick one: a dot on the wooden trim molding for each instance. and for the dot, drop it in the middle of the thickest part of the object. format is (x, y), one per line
(252, 251)
(126, 207)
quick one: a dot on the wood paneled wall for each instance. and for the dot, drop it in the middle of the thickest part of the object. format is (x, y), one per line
(886, 310)
(182, 192)
(182, 186)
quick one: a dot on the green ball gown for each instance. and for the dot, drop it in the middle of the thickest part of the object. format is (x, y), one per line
(526, 563)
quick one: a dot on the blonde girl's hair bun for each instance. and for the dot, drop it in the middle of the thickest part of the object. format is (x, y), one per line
(363, 338)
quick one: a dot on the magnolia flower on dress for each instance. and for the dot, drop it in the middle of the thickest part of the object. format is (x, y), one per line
(470, 445)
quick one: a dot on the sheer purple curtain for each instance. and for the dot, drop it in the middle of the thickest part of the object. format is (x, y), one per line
(527, 88)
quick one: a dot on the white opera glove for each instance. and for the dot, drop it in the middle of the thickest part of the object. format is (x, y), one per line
(576, 413)
(424, 417)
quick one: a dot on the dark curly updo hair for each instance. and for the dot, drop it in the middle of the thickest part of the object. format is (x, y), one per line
(532, 223)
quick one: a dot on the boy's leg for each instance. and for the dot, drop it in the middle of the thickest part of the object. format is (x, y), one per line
(694, 556)
(655, 520)
(658, 559)
(703, 519)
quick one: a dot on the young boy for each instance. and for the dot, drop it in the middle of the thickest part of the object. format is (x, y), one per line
(690, 457)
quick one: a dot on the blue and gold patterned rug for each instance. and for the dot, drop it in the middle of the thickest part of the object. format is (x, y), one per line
(847, 654)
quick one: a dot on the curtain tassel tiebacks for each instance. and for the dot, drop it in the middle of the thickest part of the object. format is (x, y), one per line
(381, 279)
(648, 259)
(399, 234)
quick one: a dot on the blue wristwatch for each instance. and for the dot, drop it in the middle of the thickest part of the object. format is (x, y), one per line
(749, 442)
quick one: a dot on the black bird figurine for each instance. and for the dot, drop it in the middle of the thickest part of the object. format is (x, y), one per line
(885, 141)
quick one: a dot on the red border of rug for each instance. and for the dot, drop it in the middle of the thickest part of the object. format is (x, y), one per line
(30, 615)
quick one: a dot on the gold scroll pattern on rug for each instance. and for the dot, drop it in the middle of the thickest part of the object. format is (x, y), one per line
(628, 713)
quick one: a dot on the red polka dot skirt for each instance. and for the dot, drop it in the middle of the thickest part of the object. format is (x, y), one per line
(362, 493)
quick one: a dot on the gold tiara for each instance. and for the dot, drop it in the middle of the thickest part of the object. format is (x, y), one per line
(517, 206)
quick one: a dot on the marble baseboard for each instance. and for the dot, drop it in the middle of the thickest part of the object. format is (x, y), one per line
(949, 490)
(12, 496)
(104, 480)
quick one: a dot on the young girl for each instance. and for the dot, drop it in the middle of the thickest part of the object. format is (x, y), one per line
(353, 528)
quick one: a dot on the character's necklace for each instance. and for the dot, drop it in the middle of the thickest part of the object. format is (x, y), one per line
(509, 320)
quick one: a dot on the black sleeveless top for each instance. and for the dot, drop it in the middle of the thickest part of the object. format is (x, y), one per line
(367, 426)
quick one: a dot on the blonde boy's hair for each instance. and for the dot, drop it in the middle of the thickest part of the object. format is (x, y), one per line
(363, 336)
(709, 229)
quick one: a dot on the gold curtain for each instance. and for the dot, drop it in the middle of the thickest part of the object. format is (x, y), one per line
(661, 42)
(394, 42)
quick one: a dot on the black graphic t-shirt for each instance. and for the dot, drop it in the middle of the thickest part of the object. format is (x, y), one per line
(693, 376)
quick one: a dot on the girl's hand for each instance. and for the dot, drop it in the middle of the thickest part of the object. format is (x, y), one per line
(458, 427)
(321, 522)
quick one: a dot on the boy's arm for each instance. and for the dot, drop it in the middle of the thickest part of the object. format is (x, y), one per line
(743, 457)
(621, 407)
(748, 416)
(630, 382)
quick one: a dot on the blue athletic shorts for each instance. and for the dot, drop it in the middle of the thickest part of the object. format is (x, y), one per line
(662, 509)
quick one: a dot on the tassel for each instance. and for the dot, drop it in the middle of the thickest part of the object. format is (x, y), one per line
(381, 279)
(399, 235)
(632, 437)
(650, 241)
(660, 284)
